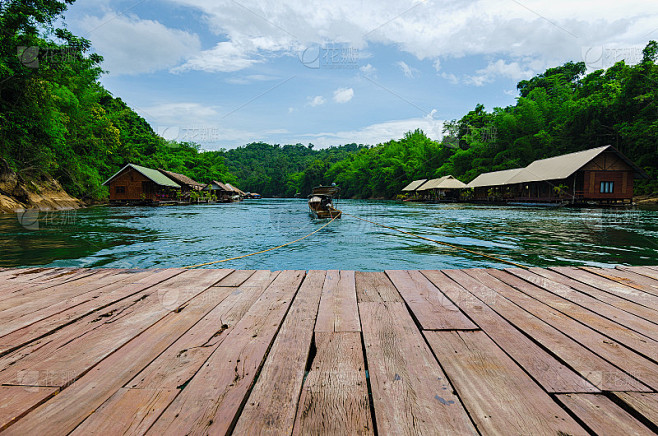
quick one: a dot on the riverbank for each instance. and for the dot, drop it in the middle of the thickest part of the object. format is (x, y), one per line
(17, 194)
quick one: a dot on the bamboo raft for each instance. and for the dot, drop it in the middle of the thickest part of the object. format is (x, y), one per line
(216, 351)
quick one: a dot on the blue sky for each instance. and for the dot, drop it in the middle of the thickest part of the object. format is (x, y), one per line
(225, 73)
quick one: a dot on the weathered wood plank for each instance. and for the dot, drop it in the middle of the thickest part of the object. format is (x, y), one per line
(432, 309)
(552, 375)
(632, 363)
(236, 278)
(44, 296)
(375, 287)
(69, 352)
(645, 404)
(159, 383)
(334, 399)
(613, 313)
(63, 413)
(14, 398)
(127, 412)
(14, 318)
(610, 286)
(43, 322)
(271, 405)
(639, 343)
(627, 278)
(178, 364)
(602, 415)
(650, 314)
(338, 307)
(410, 392)
(589, 365)
(499, 396)
(211, 400)
(644, 271)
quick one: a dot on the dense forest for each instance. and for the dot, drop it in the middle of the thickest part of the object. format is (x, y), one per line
(56, 120)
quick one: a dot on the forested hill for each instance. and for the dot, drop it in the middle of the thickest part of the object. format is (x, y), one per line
(57, 120)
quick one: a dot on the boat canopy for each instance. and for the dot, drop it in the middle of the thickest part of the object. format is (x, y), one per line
(329, 191)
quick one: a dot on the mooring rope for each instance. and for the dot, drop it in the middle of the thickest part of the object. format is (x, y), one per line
(264, 251)
(456, 247)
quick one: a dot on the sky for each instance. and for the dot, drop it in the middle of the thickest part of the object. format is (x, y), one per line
(224, 73)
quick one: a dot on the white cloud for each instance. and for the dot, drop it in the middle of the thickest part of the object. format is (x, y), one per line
(368, 70)
(500, 68)
(343, 95)
(316, 101)
(450, 78)
(437, 65)
(406, 69)
(133, 46)
(379, 132)
(245, 80)
(429, 29)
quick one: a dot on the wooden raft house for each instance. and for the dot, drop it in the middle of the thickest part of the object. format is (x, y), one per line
(600, 175)
(559, 351)
(135, 184)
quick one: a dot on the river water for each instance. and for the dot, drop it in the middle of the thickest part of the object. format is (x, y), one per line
(144, 237)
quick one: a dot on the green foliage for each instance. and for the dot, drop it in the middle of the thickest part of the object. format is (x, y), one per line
(56, 118)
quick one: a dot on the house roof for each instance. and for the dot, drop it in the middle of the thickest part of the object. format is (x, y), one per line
(552, 168)
(445, 182)
(153, 175)
(220, 185)
(494, 178)
(234, 189)
(561, 167)
(181, 178)
(414, 185)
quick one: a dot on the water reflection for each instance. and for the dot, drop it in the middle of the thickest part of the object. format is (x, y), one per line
(134, 237)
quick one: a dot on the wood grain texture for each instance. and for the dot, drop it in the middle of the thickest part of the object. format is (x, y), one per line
(334, 399)
(589, 365)
(69, 352)
(77, 402)
(602, 415)
(14, 398)
(645, 271)
(499, 396)
(560, 292)
(180, 362)
(650, 314)
(627, 278)
(645, 404)
(338, 307)
(432, 309)
(610, 286)
(410, 392)
(631, 362)
(550, 373)
(272, 403)
(375, 287)
(616, 330)
(31, 326)
(211, 400)
(127, 412)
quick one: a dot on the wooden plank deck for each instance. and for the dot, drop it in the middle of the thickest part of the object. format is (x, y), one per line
(540, 351)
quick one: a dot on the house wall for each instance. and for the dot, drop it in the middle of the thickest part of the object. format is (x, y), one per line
(623, 185)
(135, 185)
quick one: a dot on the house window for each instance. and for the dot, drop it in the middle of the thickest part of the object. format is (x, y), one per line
(607, 187)
(120, 189)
